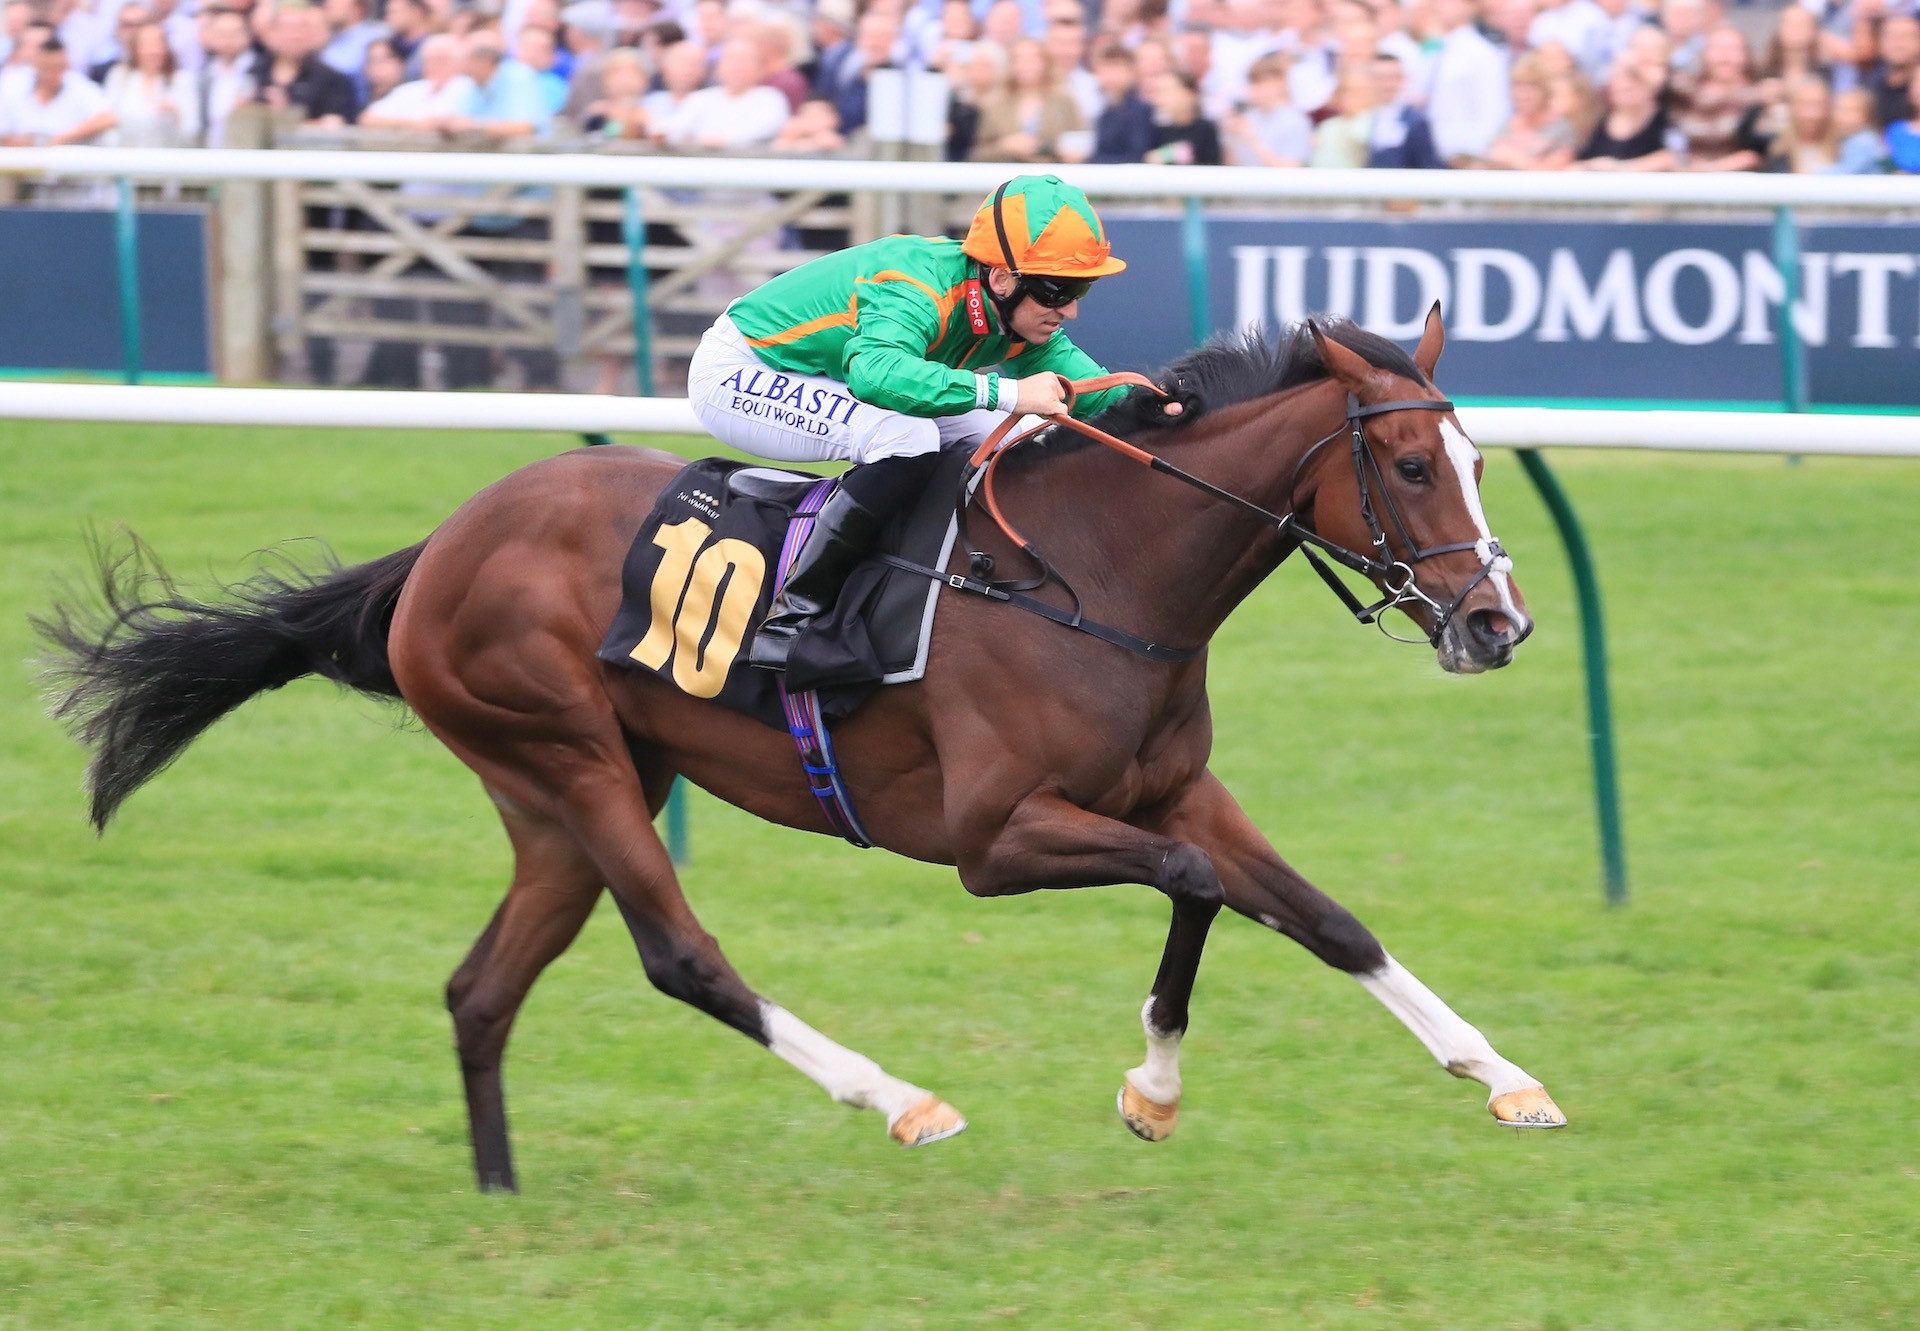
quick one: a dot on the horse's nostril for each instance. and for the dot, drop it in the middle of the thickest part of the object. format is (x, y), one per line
(1492, 628)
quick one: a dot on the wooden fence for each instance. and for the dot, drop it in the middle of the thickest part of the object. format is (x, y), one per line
(409, 284)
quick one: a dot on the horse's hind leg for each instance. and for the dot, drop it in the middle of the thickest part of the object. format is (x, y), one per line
(682, 960)
(554, 887)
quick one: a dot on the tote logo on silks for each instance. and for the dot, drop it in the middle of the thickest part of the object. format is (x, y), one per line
(976, 307)
(787, 401)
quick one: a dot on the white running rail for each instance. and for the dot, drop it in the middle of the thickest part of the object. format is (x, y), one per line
(1492, 427)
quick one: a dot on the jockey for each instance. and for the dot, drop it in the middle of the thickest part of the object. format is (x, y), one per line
(883, 353)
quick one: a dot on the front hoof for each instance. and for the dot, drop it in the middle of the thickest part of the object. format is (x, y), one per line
(1145, 1119)
(1529, 1108)
(928, 1121)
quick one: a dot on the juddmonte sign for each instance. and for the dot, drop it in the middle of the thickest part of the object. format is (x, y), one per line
(1545, 309)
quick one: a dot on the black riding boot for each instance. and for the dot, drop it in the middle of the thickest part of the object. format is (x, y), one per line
(843, 535)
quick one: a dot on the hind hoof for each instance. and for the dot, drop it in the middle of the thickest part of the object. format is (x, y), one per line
(1529, 1108)
(929, 1121)
(1145, 1119)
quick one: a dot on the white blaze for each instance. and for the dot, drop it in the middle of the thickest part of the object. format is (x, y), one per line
(1463, 455)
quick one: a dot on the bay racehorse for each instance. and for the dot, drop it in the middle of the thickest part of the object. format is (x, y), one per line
(1029, 757)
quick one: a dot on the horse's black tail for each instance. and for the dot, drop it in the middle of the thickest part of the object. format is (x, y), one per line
(139, 676)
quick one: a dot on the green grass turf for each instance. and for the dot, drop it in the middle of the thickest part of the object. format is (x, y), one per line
(227, 1097)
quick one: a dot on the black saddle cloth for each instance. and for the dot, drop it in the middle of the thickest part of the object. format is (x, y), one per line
(699, 578)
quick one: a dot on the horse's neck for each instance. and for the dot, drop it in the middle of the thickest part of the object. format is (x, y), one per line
(1154, 555)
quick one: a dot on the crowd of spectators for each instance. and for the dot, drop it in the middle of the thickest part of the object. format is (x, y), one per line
(1507, 84)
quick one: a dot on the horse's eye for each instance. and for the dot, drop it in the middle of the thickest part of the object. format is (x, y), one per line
(1413, 469)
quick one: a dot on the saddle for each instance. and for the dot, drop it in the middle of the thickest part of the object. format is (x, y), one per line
(701, 574)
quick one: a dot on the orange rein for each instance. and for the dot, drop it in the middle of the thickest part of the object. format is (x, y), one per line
(996, 445)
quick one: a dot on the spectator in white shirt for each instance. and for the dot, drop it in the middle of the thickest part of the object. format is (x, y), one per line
(59, 107)
(1467, 102)
(433, 101)
(155, 100)
(1309, 43)
(683, 69)
(226, 79)
(738, 111)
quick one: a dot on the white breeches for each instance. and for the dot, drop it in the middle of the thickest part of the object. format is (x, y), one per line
(747, 404)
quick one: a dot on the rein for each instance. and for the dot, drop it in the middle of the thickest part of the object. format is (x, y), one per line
(1396, 576)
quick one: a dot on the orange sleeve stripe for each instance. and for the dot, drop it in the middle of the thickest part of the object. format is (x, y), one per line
(842, 319)
(942, 304)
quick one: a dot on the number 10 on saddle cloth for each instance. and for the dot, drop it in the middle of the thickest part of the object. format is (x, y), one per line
(699, 578)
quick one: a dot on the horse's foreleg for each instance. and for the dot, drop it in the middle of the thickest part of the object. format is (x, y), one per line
(1049, 843)
(1262, 886)
(554, 888)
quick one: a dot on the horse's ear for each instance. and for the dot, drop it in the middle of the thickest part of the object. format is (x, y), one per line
(1347, 366)
(1433, 340)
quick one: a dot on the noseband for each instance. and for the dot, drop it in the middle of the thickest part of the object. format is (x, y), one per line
(1395, 575)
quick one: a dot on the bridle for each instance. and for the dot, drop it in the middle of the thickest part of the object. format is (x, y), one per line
(1380, 563)
(1395, 574)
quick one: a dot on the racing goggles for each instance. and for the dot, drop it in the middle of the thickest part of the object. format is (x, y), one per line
(1054, 292)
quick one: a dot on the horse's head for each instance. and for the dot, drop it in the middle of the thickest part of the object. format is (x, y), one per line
(1398, 484)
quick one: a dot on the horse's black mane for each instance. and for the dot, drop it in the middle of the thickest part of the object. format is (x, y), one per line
(1229, 369)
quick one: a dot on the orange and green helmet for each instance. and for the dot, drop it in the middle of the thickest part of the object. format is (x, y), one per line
(1042, 226)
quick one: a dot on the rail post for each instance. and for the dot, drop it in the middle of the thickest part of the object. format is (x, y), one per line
(679, 844)
(567, 239)
(1593, 642)
(1793, 354)
(1193, 240)
(126, 236)
(633, 228)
